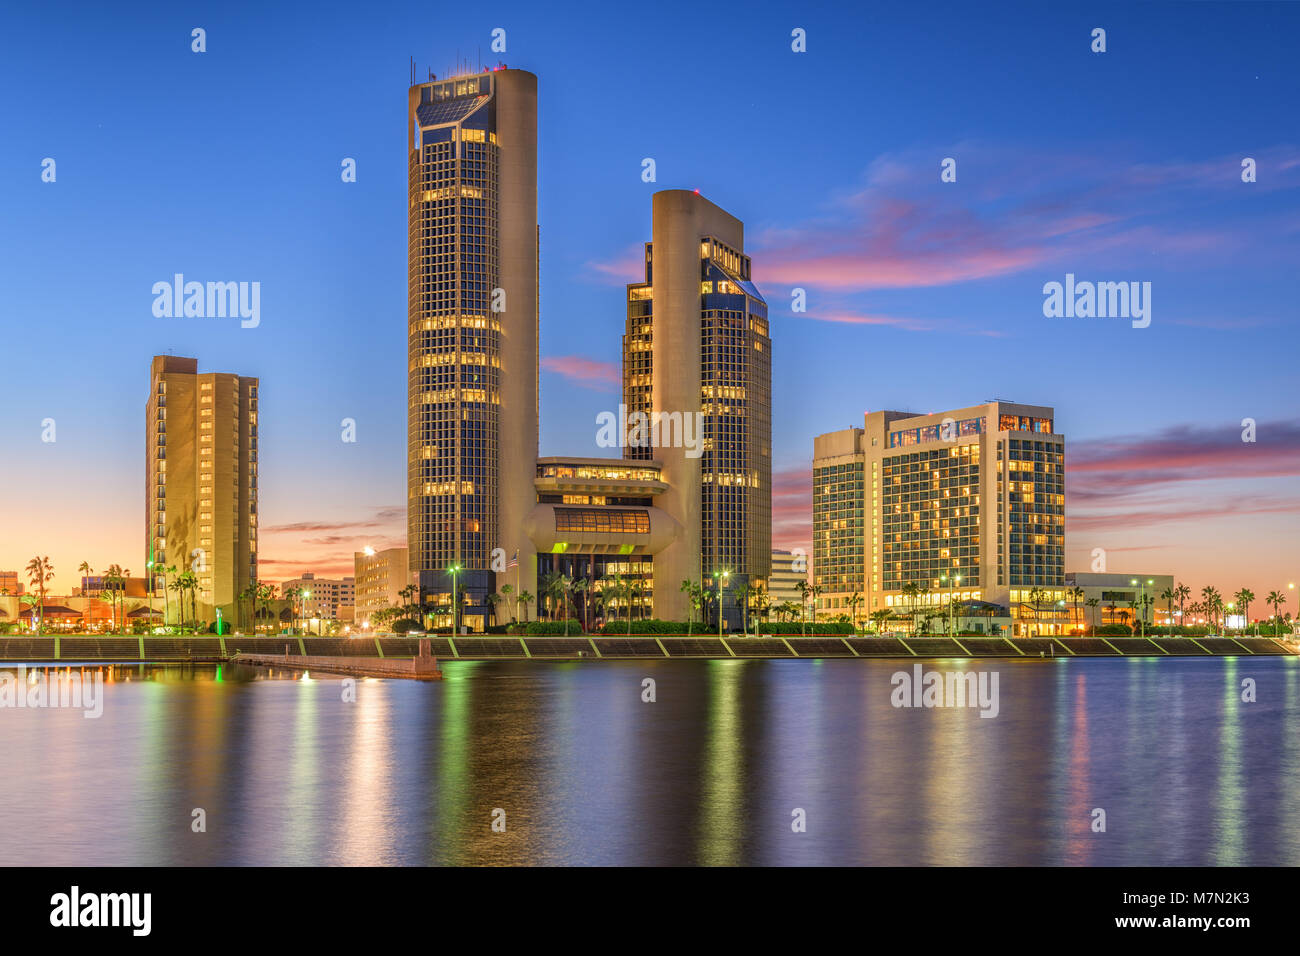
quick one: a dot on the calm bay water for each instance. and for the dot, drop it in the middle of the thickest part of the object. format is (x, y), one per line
(587, 773)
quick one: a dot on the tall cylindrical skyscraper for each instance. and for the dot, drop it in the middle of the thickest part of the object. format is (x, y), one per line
(473, 332)
(697, 351)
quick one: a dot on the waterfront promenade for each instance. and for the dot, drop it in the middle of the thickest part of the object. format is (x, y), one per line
(119, 649)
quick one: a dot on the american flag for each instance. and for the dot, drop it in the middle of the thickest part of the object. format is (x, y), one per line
(514, 560)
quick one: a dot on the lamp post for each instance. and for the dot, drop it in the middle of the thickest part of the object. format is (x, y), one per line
(722, 578)
(148, 570)
(305, 596)
(453, 571)
(1142, 605)
(956, 583)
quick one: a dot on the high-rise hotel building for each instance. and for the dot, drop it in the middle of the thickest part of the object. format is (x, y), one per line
(201, 482)
(473, 328)
(967, 504)
(697, 348)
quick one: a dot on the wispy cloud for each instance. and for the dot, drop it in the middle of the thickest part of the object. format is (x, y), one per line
(621, 268)
(905, 229)
(586, 372)
(792, 509)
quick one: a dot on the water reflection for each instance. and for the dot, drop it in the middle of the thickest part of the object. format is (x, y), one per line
(293, 771)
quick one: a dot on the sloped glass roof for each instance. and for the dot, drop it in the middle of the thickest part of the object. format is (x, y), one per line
(448, 111)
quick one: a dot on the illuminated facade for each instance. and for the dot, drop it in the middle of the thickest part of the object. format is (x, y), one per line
(201, 483)
(967, 504)
(839, 518)
(473, 328)
(380, 577)
(697, 344)
(597, 518)
(328, 595)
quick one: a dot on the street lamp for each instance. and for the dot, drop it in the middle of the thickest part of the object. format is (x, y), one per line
(1142, 601)
(149, 573)
(722, 579)
(305, 596)
(453, 571)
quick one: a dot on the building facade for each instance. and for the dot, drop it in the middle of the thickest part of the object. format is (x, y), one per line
(1121, 599)
(598, 520)
(697, 363)
(473, 328)
(380, 577)
(201, 483)
(327, 595)
(966, 505)
(10, 583)
(839, 519)
(788, 569)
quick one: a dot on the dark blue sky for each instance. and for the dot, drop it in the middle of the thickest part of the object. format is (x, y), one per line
(922, 295)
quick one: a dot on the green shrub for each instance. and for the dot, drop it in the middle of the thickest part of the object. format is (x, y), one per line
(405, 624)
(546, 628)
(653, 626)
(813, 627)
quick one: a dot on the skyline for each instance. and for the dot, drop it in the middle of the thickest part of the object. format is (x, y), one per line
(893, 266)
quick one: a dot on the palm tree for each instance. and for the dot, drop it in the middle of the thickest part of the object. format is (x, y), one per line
(743, 594)
(552, 586)
(1182, 592)
(506, 591)
(492, 599)
(688, 588)
(265, 593)
(581, 586)
(525, 598)
(1092, 603)
(854, 600)
(699, 599)
(170, 569)
(86, 571)
(31, 601)
(247, 594)
(1276, 599)
(1243, 598)
(565, 584)
(189, 581)
(40, 572)
(804, 588)
(762, 602)
(1210, 599)
(1168, 596)
(294, 593)
(1075, 594)
(880, 617)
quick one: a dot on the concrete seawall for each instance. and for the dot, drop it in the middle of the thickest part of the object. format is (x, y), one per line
(399, 651)
(409, 668)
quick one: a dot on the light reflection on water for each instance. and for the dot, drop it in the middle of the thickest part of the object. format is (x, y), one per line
(288, 773)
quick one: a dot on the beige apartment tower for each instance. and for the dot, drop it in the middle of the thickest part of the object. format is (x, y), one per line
(697, 359)
(967, 504)
(380, 577)
(473, 330)
(201, 485)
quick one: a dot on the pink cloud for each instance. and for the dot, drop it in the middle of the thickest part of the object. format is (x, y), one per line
(588, 373)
